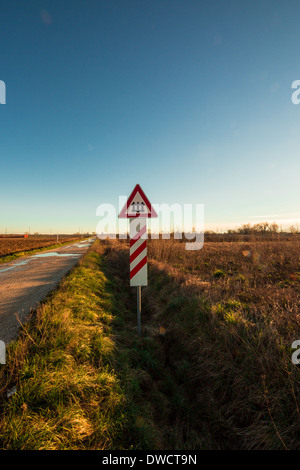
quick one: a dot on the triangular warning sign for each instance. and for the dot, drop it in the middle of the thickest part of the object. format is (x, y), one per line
(137, 205)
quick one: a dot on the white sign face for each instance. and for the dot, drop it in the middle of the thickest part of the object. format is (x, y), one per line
(138, 252)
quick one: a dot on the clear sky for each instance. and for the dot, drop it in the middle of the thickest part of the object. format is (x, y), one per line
(191, 99)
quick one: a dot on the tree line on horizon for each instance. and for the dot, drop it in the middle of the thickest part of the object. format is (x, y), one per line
(259, 229)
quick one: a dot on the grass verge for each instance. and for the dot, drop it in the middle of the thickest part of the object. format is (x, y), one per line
(70, 393)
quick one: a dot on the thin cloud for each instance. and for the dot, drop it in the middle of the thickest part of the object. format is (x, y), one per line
(281, 216)
(264, 216)
(46, 17)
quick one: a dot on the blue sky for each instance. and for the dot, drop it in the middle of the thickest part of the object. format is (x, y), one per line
(191, 99)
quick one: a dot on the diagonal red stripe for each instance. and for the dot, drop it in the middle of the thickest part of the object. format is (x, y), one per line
(138, 251)
(138, 267)
(138, 235)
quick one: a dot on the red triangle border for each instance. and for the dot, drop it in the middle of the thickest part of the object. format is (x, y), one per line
(123, 214)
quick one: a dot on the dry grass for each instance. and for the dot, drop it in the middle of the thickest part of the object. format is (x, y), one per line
(234, 307)
(223, 320)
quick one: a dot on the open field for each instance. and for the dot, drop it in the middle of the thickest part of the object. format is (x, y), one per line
(228, 315)
(11, 245)
(212, 369)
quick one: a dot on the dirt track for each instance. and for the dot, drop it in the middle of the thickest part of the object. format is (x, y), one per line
(26, 281)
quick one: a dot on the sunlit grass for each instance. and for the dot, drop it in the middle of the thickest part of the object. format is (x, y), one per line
(69, 394)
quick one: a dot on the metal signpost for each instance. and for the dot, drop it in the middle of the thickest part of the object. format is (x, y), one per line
(138, 209)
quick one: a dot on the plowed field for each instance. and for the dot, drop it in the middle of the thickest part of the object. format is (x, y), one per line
(9, 246)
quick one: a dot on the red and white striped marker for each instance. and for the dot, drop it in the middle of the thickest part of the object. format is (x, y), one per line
(138, 252)
(138, 209)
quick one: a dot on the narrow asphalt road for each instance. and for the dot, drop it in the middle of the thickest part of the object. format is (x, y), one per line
(25, 282)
